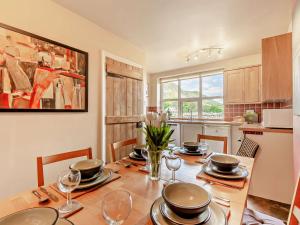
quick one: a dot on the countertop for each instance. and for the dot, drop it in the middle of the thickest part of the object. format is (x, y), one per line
(199, 121)
(257, 127)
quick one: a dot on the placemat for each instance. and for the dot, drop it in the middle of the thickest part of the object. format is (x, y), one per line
(230, 183)
(127, 159)
(77, 193)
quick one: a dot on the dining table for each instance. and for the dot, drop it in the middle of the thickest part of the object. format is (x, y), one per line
(143, 191)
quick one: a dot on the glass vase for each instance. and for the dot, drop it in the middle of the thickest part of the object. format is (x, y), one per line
(154, 162)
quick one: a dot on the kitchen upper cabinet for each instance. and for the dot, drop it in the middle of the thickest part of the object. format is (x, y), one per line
(243, 85)
(234, 86)
(252, 84)
(277, 68)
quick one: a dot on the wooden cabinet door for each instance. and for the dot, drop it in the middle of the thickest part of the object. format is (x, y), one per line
(277, 68)
(234, 86)
(252, 84)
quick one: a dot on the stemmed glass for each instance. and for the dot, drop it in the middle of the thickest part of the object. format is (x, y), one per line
(145, 156)
(203, 146)
(67, 182)
(116, 207)
(173, 163)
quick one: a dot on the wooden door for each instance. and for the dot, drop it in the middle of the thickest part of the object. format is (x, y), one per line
(252, 84)
(234, 86)
(277, 68)
(124, 108)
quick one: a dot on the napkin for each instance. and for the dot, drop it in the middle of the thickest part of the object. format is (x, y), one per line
(230, 183)
(78, 193)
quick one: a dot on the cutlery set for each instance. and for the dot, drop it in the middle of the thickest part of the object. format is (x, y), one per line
(42, 198)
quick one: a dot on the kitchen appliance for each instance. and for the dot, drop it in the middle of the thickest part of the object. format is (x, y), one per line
(278, 118)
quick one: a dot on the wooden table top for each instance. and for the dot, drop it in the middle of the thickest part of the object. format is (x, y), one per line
(143, 192)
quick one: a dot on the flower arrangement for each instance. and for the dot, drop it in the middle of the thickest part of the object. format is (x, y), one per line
(158, 136)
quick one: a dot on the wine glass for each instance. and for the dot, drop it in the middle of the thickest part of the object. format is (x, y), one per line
(173, 163)
(67, 182)
(145, 156)
(116, 207)
(203, 146)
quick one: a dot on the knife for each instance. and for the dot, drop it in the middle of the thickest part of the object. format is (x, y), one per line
(51, 196)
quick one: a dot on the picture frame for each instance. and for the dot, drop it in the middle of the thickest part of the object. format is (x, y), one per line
(41, 75)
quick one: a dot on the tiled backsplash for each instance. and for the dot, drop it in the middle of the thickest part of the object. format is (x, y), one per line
(233, 110)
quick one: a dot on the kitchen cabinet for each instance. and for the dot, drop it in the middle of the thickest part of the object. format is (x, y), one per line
(243, 85)
(234, 86)
(236, 139)
(252, 84)
(189, 131)
(277, 68)
(176, 134)
(273, 172)
(216, 130)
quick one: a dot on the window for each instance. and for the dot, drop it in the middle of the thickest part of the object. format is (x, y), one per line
(200, 96)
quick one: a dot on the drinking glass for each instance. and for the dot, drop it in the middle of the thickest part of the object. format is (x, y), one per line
(116, 207)
(145, 156)
(203, 146)
(173, 163)
(67, 182)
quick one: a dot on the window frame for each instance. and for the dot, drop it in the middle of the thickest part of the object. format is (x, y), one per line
(199, 99)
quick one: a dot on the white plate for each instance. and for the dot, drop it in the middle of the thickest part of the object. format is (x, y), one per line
(32, 216)
(186, 152)
(215, 169)
(168, 213)
(133, 156)
(217, 217)
(241, 174)
(106, 173)
(91, 178)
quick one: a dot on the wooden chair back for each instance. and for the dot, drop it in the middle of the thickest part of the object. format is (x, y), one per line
(117, 145)
(294, 216)
(214, 138)
(41, 161)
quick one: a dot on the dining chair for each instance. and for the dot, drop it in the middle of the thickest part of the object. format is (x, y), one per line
(44, 160)
(248, 148)
(254, 217)
(294, 216)
(117, 145)
(214, 138)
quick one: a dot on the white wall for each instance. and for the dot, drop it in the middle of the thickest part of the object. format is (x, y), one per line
(153, 79)
(24, 136)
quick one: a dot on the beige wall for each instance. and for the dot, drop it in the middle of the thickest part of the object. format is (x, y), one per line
(153, 79)
(23, 136)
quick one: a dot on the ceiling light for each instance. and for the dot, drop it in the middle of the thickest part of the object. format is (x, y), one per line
(196, 57)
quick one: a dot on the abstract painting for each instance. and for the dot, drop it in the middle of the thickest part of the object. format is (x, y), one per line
(38, 74)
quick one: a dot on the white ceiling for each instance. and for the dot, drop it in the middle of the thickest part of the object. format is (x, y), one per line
(167, 30)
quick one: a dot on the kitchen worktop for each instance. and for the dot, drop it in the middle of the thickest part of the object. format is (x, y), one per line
(257, 127)
(199, 121)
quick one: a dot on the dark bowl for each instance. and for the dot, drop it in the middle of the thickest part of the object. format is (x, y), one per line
(224, 162)
(88, 168)
(186, 199)
(191, 146)
(138, 149)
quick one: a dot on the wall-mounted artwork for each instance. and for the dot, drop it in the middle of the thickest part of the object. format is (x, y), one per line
(37, 74)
